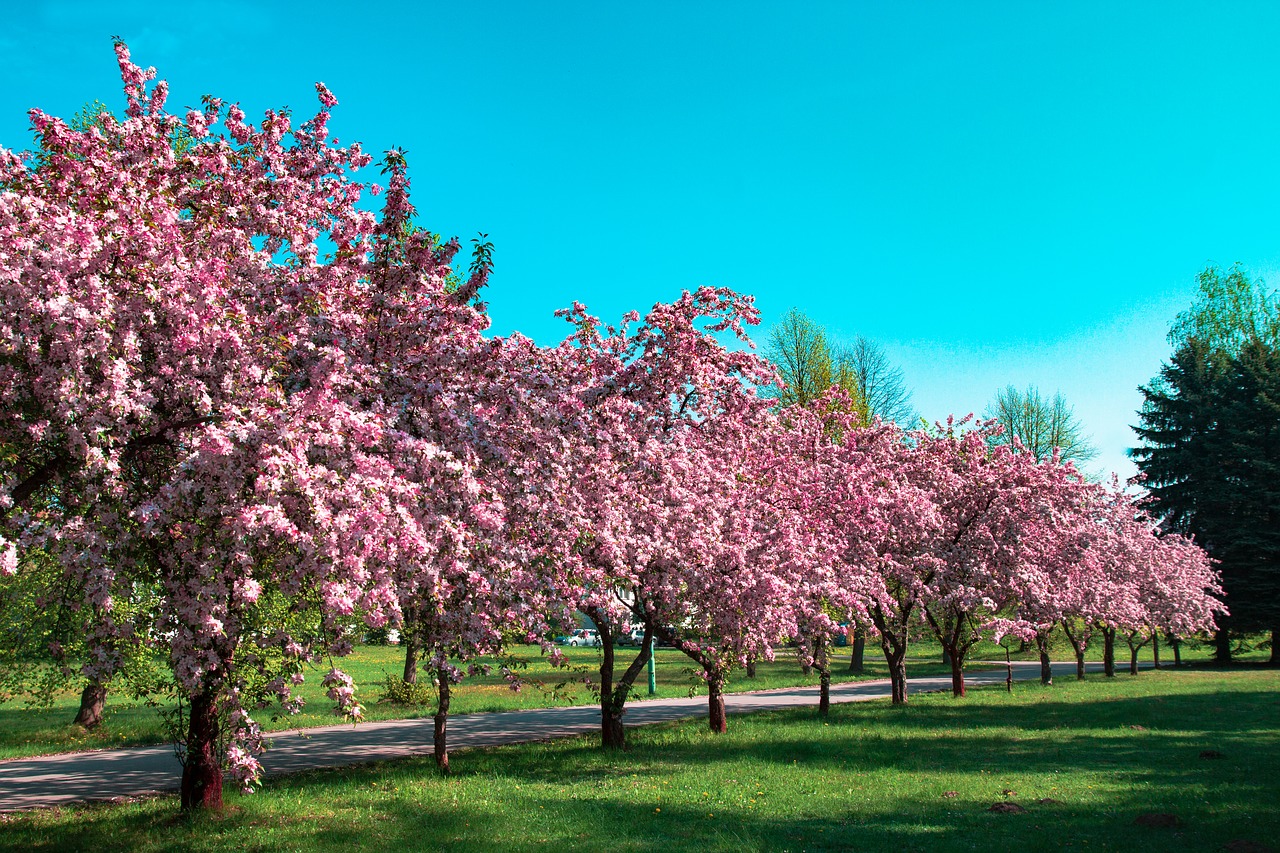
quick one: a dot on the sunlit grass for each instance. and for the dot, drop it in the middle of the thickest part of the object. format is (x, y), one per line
(26, 731)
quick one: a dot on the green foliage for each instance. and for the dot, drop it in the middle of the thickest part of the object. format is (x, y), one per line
(28, 668)
(400, 692)
(377, 636)
(89, 116)
(43, 637)
(808, 366)
(1230, 311)
(880, 387)
(481, 255)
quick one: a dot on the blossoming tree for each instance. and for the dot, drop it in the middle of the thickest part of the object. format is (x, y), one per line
(648, 394)
(183, 412)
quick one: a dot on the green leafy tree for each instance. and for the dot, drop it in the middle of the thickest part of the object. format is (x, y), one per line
(798, 347)
(809, 364)
(1041, 424)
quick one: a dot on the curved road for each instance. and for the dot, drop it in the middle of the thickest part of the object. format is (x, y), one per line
(50, 780)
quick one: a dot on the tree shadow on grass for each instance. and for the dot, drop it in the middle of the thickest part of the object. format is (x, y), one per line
(614, 821)
(1207, 712)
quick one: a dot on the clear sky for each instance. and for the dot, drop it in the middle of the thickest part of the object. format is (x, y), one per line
(996, 193)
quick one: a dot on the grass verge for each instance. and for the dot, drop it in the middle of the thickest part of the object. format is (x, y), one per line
(28, 731)
(1086, 760)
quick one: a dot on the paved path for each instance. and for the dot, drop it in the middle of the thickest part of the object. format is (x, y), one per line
(108, 774)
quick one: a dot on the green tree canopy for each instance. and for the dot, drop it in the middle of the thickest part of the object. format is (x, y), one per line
(1041, 424)
(799, 349)
(880, 385)
(809, 364)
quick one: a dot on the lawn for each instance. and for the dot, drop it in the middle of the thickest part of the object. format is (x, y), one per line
(1086, 761)
(36, 731)
(39, 731)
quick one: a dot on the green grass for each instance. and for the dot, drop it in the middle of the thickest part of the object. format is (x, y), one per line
(41, 731)
(873, 777)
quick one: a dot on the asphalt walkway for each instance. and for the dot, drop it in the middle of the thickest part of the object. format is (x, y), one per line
(51, 780)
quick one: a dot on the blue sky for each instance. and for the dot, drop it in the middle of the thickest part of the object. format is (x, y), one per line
(996, 193)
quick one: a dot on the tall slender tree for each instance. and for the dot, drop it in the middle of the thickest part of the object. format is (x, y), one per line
(879, 385)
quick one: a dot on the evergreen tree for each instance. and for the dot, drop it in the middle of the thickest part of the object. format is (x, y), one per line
(1210, 432)
(1250, 431)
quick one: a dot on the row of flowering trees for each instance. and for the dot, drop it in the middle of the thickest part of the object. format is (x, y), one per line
(244, 419)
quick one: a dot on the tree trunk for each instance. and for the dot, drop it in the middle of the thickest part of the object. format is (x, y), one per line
(822, 663)
(410, 659)
(957, 673)
(1046, 667)
(202, 768)
(895, 655)
(1222, 640)
(412, 642)
(857, 660)
(1078, 645)
(898, 678)
(1275, 647)
(714, 674)
(895, 652)
(751, 667)
(1109, 652)
(1155, 649)
(715, 704)
(442, 722)
(1177, 649)
(611, 734)
(613, 696)
(92, 701)
(1133, 660)
(948, 630)
(896, 659)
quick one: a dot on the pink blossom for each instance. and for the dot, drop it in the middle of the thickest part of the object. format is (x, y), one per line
(326, 97)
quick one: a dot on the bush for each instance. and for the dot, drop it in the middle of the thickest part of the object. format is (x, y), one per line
(401, 692)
